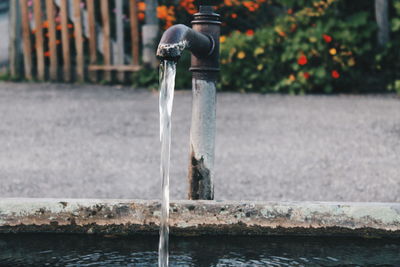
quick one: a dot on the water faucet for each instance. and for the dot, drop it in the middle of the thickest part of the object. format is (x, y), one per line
(202, 40)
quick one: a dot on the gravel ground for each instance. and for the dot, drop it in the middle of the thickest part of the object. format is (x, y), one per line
(102, 142)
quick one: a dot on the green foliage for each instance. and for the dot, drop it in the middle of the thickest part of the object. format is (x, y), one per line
(5, 76)
(145, 78)
(395, 86)
(323, 47)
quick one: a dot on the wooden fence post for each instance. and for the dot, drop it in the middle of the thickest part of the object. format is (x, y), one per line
(37, 13)
(78, 34)
(105, 15)
(50, 11)
(15, 39)
(65, 41)
(119, 59)
(92, 39)
(134, 31)
(26, 42)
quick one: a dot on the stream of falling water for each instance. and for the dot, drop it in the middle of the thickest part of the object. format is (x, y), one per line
(167, 85)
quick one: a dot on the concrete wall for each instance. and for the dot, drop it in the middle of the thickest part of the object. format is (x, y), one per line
(189, 218)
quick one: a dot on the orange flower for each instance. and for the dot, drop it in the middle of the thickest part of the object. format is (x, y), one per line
(142, 6)
(189, 6)
(231, 3)
(306, 75)
(250, 32)
(167, 14)
(251, 6)
(162, 12)
(141, 16)
(302, 60)
(234, 15)
(280, 31)
(241, 55)
(45, 24)
(335, 74)
(282, 34)
(47, 53)
(290, 11)
(228, 2)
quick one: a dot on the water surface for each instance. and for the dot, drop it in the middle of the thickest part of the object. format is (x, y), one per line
(83, 250)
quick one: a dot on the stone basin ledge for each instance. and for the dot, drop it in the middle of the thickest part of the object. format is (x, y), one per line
(194, 218)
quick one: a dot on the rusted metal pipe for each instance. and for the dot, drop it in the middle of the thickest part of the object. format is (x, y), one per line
(203, 41)
(202, 131)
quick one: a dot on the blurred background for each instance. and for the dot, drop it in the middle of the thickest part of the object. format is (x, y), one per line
(285, 46)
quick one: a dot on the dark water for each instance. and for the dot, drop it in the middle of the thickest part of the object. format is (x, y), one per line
(75, 250)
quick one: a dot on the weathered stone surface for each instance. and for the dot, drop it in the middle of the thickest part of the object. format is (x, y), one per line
(187, 217)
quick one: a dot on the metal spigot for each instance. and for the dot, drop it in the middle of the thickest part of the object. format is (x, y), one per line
(203, 42)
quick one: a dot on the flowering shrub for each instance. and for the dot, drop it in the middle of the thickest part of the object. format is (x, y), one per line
(297, 46)
(319, 48)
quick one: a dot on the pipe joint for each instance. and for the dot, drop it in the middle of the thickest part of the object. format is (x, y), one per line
(208, 23)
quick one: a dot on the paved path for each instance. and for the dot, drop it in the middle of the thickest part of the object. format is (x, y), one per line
(102, 142)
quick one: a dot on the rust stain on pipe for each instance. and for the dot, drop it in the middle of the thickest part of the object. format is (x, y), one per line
(199, 180)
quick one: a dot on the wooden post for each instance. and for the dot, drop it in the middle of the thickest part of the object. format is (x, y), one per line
(119, 59)
(134, 31)
(50, 10)
(37, 12)
(92, 39)
(106, 35)
(79, 41)
(65, 41)
(15, 39)
(382, 19)
(26, 43)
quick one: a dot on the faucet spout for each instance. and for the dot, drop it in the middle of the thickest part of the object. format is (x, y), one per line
(180, 37)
